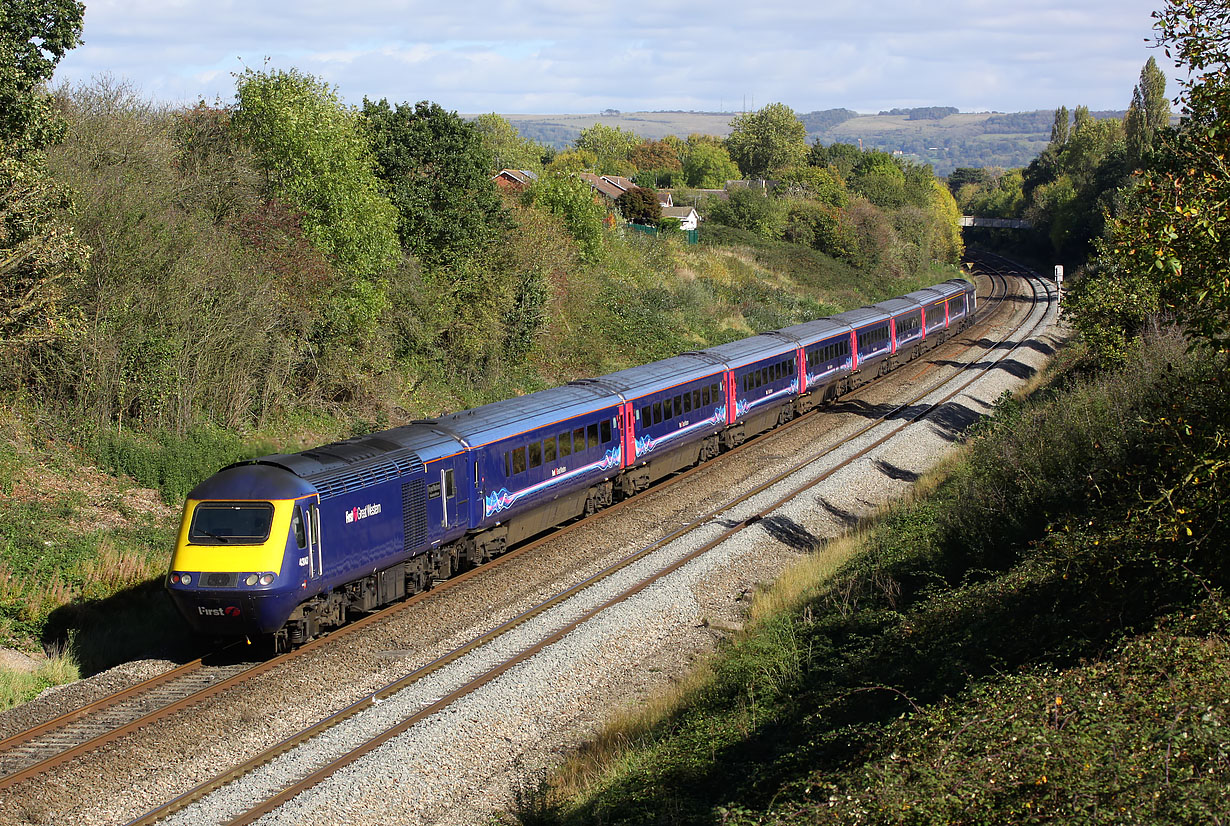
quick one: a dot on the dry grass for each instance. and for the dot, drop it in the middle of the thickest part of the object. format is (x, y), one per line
(603, 755)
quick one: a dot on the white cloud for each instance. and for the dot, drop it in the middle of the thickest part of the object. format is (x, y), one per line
(585, 55)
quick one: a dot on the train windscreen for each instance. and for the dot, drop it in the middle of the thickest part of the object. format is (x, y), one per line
(240, 523)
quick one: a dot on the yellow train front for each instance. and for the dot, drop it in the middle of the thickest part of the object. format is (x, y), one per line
(248, 544)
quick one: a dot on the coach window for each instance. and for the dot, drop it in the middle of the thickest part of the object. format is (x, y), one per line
(535, 454)
(592, 432)
(548, 449)
(606, 431)
(518, 460)
(716, 390)
(296, 524)
(450, 486)
(657, 412)
(704, 395)
(647, 415)
(565, 444)
(578, 440)
(678, 404)
(507, 464)
(687, 402)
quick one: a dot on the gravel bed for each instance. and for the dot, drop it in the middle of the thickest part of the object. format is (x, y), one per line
(467, 762)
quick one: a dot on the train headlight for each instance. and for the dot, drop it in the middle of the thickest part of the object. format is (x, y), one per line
(266, 579)
(186, 579)
(251, 580)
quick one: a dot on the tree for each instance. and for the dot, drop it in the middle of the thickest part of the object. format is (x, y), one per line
(1149, 112)
(640, 206)
(572, 199)
(316, 158)
(34, 35)
(438, 176)
(659, 155)
(39, 253)
(880, 179)
(768, 139)
(574, 160)
(1168, 249)
(813, 182)
(708, 166)
(507, 148)
(1061, 128)
(750, 209)
(611, 146)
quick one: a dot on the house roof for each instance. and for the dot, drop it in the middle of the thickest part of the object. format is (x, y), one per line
(677, 212)
(521, 176)
(605, 185)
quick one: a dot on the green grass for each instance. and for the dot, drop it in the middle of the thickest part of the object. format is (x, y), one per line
(1042, 638)
(18, 687)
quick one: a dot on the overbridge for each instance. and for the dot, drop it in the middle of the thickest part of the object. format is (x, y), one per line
(999, 223)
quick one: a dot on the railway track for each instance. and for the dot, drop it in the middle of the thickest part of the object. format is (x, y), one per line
(39, 750)
(523, 653)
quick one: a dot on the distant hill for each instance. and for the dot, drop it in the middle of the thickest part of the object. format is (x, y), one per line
(935, 135)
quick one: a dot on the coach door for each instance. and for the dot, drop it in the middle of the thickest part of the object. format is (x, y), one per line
(448, 496)
(311, 535)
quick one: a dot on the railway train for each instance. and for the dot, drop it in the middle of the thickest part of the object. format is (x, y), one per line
(285, 546)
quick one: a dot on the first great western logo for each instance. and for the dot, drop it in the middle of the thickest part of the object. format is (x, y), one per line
(355, 514)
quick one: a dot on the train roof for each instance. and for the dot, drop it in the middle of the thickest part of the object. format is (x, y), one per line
(360, 461)
(949, 289)
(898, 306)
(636, 382)
(750, 350)
(861, 317)
(252, 481)
(927, 295)
(809, 332)
(502, 419)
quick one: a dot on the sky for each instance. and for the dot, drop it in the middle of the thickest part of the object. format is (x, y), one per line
(583, 56)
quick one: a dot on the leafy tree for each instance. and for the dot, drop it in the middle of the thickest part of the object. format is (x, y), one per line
(640, 206)
(708, 165)
(1167, 250)
(1149, 112)
(655, 155)
(34, 35)
(766, 140)
(438, 176)
(40, 256)
(843, 157)
(1061, 128)
(611, 146)
(880, 179)
(750, 209)
(572, 199)
(316, 158)
(813, 182)
(574, 160)
(507, 148)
